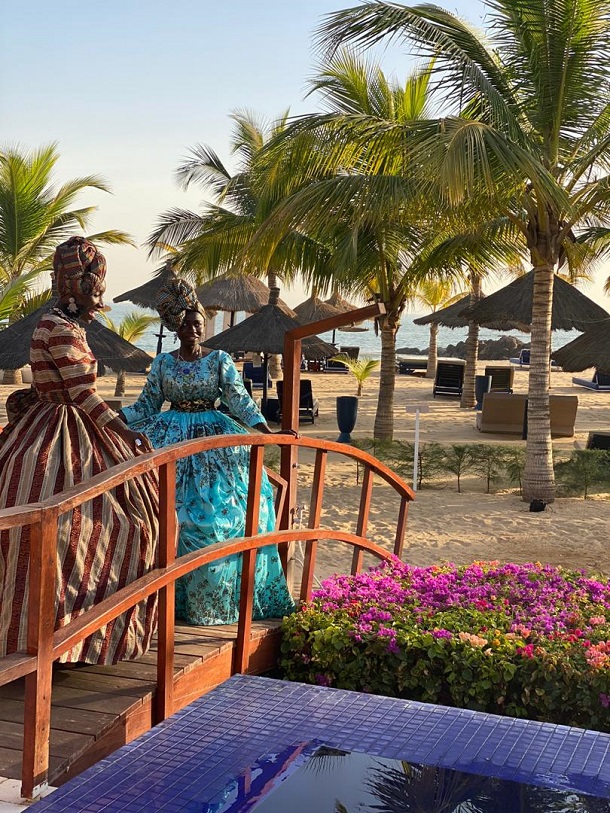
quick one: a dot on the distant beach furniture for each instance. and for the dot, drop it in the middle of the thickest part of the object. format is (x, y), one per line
(524, 360)
(503, 413)
(255, 374)
(449, 380)
(416, 365)
(600, 382)
(506, 413)
(308, 403)
(502, 378)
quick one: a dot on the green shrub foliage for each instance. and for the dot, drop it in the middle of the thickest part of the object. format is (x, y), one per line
(527, 640)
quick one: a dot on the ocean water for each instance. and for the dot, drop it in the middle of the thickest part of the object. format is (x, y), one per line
(409, 334)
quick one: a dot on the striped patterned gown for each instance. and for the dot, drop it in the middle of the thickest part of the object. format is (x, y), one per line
(62, 440)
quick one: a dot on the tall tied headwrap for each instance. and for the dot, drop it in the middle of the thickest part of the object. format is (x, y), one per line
(174, 299)
(79, 267)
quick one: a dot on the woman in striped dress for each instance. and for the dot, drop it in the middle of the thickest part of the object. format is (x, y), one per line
(62, 435)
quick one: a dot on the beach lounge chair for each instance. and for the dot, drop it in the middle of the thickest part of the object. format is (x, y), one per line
(449, 379)
(333, 366)
(503, 413)
(502, 378)
(256, 375)
(351, 352)
(524, 357)
(599, 382)
(308, 404)
(598, 440)
(563, 410)
(412, 365)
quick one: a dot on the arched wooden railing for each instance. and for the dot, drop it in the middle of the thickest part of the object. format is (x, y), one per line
(44, 645)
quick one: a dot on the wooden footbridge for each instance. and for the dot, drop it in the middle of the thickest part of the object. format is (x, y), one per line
(55, 720)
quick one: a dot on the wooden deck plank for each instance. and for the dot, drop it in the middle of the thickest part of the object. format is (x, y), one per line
(96, 709)
(10, 763)
(62, 718)
(61, 744)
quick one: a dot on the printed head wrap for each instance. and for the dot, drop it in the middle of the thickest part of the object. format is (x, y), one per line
(174, 299)
(79, 267)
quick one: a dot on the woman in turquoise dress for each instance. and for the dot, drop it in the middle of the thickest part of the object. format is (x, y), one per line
(212, 486)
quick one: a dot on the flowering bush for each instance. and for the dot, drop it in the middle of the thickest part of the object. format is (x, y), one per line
(524, 640)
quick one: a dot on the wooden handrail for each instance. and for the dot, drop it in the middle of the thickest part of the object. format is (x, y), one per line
(45, 645)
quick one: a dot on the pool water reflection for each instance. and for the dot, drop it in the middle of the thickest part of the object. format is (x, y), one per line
(314, 778)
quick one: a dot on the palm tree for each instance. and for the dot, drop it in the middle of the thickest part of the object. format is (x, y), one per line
(131, 328)
(433, 294)
(361, 368)
(527, 137)
(212, 243)
(36, 214)
(361, 207)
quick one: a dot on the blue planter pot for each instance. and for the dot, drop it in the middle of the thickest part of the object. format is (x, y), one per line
(347, 412)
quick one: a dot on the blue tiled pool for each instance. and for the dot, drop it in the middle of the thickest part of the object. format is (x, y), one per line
(188, 761)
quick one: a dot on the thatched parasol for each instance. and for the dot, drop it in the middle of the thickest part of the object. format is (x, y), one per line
(314, 309)
(511, 307)
(264, 332)
(592, 349)
(337, 301)
(107, 346)
(234, 293)
(145, 296)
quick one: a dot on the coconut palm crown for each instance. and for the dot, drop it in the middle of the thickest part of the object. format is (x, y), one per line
(526, 135)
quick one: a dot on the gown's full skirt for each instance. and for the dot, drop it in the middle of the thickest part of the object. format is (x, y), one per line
(211, 497)
(103, 545)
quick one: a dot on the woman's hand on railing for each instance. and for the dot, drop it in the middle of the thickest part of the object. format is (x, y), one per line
(138, 442)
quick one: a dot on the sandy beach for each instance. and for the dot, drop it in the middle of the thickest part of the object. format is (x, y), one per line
(443, 525)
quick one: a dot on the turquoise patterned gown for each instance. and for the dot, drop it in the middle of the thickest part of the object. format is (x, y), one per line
(211, 487)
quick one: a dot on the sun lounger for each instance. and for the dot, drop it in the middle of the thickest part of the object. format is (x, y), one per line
(598, 440)
(501, 378)
(308, 404)
(449, 379)
(256, 375)
(503, 413)
(599, 382)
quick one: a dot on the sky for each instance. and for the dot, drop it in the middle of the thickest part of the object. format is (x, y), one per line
(127, 87)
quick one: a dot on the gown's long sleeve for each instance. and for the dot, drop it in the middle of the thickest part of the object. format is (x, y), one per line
(71, 360)
(234, 395)
(150, 399)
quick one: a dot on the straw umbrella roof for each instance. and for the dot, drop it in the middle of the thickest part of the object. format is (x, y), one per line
(235, 292)
(106, 345)
(592, 349)
(511, 307)
(145, 295)
(314, 309)
(453, 316)
(264, 332)
(337, 301)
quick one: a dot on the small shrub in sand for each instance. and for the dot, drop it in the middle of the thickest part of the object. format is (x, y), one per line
(528, 640)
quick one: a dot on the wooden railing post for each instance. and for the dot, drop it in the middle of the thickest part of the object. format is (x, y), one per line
(40, 627)
(167, 595)
(401, 527)
(315, 513)
(289, 454)
(363, 516)
(246, 595)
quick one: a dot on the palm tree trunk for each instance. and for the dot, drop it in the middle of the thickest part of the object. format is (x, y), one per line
(539, 477)
(468, 399)
(384, 418)
(275, 364)
(12, 377)
(432, 351)
(119, 389)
